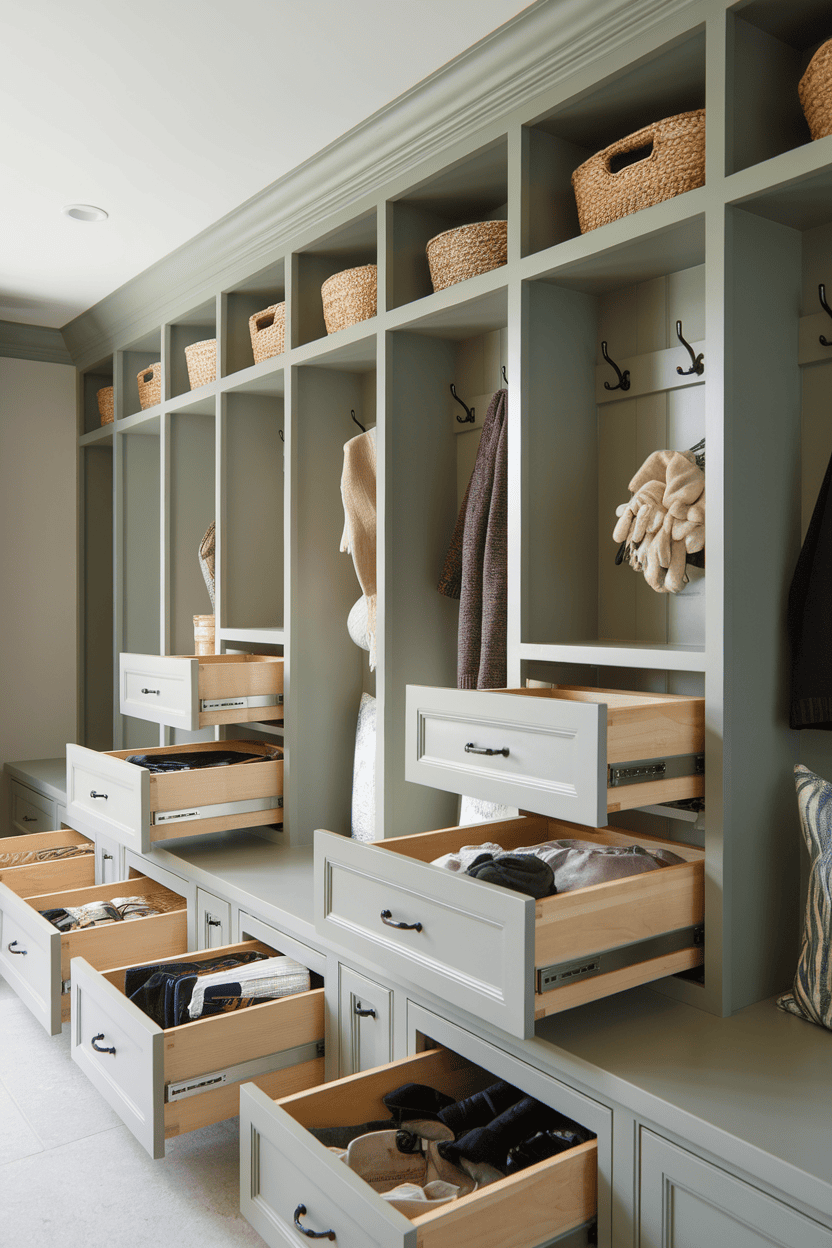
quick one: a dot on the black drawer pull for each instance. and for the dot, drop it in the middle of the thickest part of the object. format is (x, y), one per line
(156, 691)
(482, 749)
(94, 794)
(30, 818)
(387, 917)
(213, 922)
(99, 1048)
(11, 948)
(299, 1213)
(364, 1013)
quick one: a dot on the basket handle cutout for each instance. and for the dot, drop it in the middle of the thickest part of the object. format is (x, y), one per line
(621, 160)
(148, 376)
(263, 322)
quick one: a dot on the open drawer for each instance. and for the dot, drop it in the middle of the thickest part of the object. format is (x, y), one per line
(165, 1082)
(572, 753)
(290, 1182)
(108, 795)
(189, 691)
(499, 954)
(49, 873)
(35, 956)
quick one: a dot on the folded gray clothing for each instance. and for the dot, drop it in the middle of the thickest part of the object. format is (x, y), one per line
(524, 873)
(271, 978)
(462, 859)
(575, 864)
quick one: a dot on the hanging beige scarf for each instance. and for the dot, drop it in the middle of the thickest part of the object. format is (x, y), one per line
(358, 491)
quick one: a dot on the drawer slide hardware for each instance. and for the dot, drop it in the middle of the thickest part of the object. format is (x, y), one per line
(217, 810)
(560, 973)
(296, 1056)
(640, 770)
(234, 704)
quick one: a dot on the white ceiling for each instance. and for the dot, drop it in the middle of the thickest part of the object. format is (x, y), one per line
(169, 113)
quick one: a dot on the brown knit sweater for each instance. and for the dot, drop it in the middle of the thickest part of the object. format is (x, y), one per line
(475, 566)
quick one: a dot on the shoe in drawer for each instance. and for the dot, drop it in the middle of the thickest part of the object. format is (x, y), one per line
(191, 692)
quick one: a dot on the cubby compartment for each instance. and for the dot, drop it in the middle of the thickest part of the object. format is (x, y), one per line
(95, 588)
(251, 298)
(585, 437)
(191, 509)
(769, 49)
(198, 325)
(473, 189)
(349, 247)
(99, 377)
(140, 561)
(664, 82)
(140, 357)
(250, 549)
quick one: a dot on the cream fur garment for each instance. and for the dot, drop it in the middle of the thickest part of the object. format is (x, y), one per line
(358, 491)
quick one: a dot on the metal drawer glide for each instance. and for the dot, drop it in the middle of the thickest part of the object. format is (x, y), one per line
(234, 704)
(217, 810)
(640, 770)
(301, 1053)
(560, 973)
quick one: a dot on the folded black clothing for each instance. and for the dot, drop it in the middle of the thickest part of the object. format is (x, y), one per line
(163, 990)
(523, 872)
(491, 1144)
(191, 760)
(545, 1144)
(481, 1108)
(416, 1100)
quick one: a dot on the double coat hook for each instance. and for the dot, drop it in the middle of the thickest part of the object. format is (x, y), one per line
(623, 378)
(697, 361)
(824, 342)
(357, 421)
(470, 412)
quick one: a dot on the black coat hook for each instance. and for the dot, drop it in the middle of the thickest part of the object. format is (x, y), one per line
(623, 378)
(697, 361)
(470, 412)
(824, 342)
(357, 421)
(505, 379)
(280, 435)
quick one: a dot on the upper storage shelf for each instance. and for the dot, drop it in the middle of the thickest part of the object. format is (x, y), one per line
(350, 246)
(254, 312)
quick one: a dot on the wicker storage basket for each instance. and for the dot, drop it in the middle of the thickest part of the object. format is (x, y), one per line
(267, 329)
(350, 297)
(105, 404)
(202, 362)
(815, 91)
(675, 163)
(150, 385)
(204, 634)
(466, 251)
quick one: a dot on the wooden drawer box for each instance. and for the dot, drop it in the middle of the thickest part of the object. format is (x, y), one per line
(35, 956)
(31, 811)
(155, 1079)
(42, 877)
(186, 691)
(289, 1182)
(107, 795)
(572, 753)
(498, 954)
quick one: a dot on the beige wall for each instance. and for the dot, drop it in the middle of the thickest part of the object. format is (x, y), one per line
(38, 595)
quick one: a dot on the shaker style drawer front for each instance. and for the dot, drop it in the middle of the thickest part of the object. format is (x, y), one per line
(289, 1182)
(35, 957)
(28, 878)
(110, 796)
(184, 691)
(31, 811)
(164, 1082)
(498, 954)
(571, 753)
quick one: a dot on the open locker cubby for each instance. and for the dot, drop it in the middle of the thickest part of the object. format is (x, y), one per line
(138, 357)
(93, 380)
(197, 325)
(250, 298)
(192, 507)
(473, 189)
(666, 81)
(96, 589)
(140, 563)
(348, 247)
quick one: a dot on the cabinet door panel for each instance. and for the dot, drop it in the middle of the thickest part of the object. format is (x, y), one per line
(365, 1012)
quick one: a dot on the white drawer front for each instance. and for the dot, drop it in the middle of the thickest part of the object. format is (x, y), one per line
(476, 943)
(160, 688)
(108, 795)
(31, 812)
(30, 958)
(544, 755)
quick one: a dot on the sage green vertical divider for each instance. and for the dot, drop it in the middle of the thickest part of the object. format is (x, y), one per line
(326, 666)
(97, 597)
(762, 527)
(139, 558)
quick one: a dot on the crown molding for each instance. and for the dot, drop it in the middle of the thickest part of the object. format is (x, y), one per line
(33, 342)
(509, 69)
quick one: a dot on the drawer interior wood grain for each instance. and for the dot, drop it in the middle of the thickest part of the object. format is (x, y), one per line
(30, 878)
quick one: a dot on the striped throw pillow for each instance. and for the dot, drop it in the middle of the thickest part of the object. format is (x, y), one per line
(811, 994)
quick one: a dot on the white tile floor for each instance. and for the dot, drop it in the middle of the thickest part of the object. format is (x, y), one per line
(72, 1175)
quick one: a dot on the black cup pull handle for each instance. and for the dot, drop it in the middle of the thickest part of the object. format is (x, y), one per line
(156, 691)
(299, 1213)
(100, 1048)
(482, 749)
(94, 794)
(30, 818)
(364, 1013)
(12, 949)
(387, 917)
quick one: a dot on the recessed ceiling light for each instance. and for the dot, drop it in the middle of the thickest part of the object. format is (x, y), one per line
(84, 212)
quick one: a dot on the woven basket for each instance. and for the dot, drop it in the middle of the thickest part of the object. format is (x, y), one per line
(350, 297)
(676, 163)
(267, 329)
(150, 385)
(202, 362)
(105, 404)
(815, 91)
(466, 251)
(204, 634)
